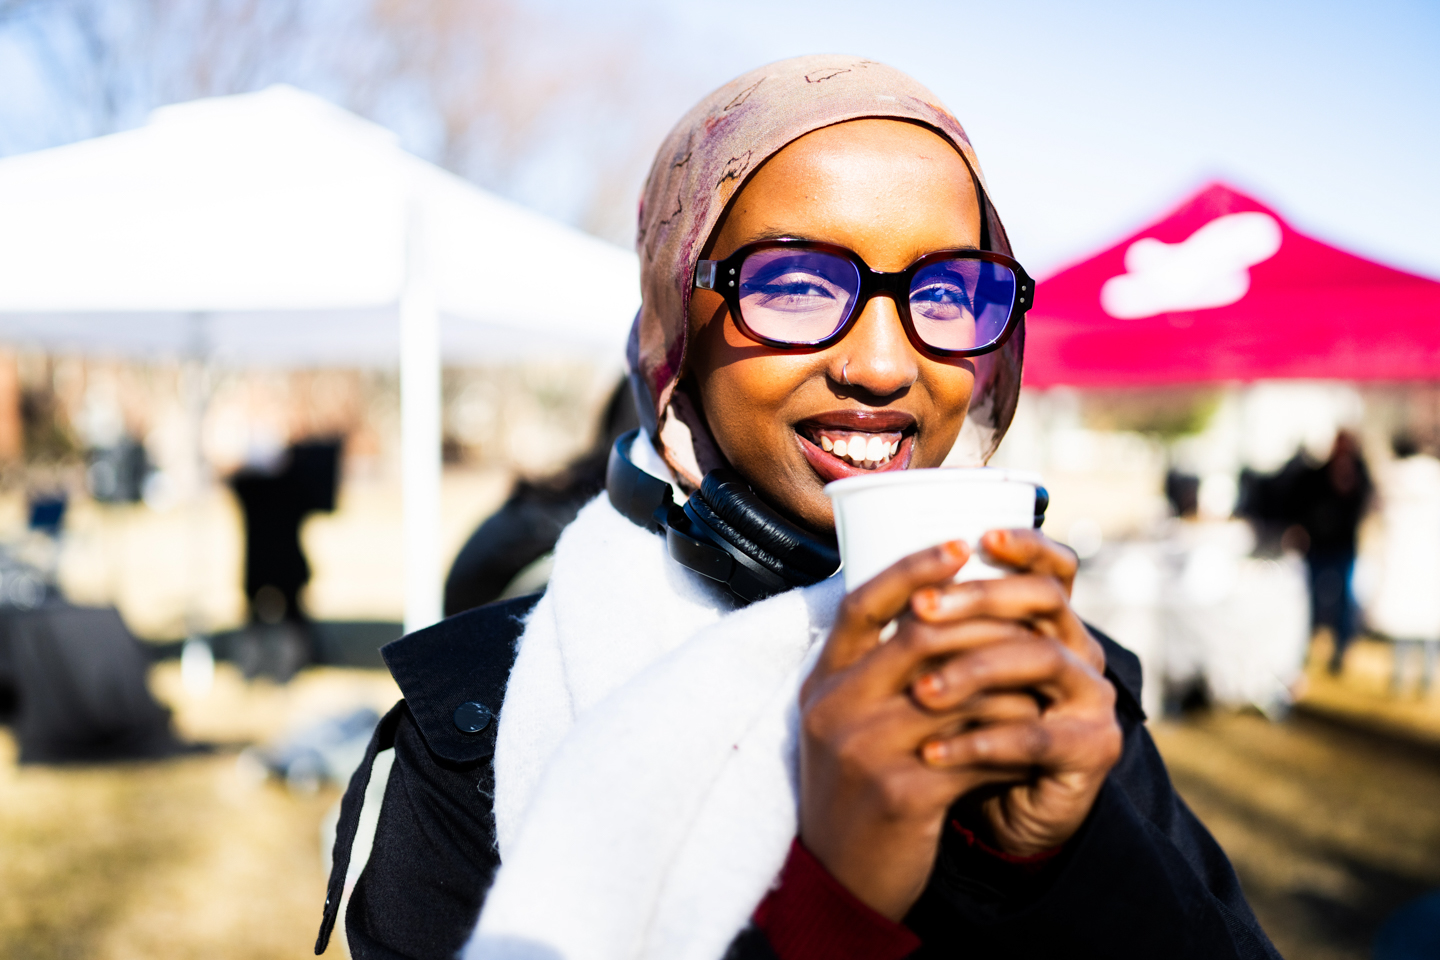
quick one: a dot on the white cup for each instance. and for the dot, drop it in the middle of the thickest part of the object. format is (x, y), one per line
(880, 519)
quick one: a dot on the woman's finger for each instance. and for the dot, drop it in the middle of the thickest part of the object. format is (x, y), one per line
(867, 609)
(1038, 601)
(920, 647)
(1030, 551)
(900, 725)
(1038, 664)
(1055, 745)
(982, 710)
(988, 709)
(1021, 597)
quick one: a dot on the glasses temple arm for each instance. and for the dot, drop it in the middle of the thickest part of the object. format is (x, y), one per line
(705, 274)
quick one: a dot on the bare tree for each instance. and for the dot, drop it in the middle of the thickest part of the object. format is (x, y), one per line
(104, 64)
(527, 104)
(515, 90)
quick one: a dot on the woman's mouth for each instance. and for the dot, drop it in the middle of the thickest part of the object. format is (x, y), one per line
(849, 443)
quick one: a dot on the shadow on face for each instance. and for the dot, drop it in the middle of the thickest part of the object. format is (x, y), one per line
(792, 420)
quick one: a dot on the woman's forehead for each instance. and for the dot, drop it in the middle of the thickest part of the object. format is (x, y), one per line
(889, 190)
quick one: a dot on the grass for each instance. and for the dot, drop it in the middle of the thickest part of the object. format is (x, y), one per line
(1330, 829)
(174, 859)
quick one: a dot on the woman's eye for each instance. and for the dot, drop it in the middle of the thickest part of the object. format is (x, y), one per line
(940, 293)
(941, 301)
(792, 289)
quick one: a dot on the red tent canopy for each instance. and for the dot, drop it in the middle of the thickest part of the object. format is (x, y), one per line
(1222, 289)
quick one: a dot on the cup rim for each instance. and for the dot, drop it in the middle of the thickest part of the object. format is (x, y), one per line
(929, 475)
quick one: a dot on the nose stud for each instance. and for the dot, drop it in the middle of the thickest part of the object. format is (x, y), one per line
(843, 372)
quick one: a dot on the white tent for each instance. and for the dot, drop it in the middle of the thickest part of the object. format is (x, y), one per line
(274, 228)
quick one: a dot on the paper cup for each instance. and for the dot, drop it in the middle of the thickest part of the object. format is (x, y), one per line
(880, 519)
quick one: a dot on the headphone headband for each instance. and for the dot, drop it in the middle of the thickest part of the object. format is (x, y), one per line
(639, 497)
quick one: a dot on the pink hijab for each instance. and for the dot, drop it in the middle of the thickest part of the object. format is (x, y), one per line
(703, 163)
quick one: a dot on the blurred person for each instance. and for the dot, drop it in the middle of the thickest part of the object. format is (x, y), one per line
(275, 498)
(1406, 607)
(1327, 504)
(520, 535)
(1182, 492)
(707, 749)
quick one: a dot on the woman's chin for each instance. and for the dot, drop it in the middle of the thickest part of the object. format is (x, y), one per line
(831, 467)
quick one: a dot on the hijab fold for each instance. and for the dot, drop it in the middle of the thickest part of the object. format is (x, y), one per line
(700, 167)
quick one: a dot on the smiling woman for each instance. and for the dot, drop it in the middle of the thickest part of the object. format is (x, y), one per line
(729, 756)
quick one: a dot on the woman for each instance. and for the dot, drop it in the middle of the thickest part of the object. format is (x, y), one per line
(680, 772)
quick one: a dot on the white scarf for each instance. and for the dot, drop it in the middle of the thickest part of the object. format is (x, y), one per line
(645, 795)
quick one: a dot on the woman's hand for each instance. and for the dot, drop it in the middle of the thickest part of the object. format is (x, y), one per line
(894, 732)
(1075, 740)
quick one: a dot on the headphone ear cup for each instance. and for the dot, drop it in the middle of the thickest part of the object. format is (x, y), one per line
(717, 527)
(795, 554)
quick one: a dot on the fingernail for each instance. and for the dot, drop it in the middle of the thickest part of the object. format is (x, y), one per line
(931, 684)
(954, 549)
(935, 751)
(925, 600)
(956, 598)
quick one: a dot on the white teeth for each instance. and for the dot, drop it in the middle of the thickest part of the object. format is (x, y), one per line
(857, 450)
(861, 449)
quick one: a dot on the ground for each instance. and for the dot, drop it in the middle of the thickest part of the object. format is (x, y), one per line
(1329, 828)
(192, 857)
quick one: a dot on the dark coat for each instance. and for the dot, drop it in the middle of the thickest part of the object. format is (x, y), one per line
(1142, 878)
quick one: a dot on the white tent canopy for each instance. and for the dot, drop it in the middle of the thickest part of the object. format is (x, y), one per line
(275, 229)
(286, 220)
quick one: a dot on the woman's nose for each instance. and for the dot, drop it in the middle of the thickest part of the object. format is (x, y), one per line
(876, 356)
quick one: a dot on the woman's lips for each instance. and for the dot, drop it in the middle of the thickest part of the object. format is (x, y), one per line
(866, 421)
(830, 467)
(852, 443)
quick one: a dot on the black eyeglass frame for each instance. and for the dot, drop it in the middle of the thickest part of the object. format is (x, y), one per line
(722, 277)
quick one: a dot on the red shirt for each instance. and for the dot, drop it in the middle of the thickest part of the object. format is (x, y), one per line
(810, 915)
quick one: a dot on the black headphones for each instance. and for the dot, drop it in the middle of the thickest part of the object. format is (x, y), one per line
(723, 532)
(726, 533)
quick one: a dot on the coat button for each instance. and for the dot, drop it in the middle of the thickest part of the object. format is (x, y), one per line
(472, 717)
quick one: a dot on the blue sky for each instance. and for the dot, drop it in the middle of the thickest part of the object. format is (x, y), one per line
(1091, 118)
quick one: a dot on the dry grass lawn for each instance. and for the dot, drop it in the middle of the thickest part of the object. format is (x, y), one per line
(189, 857)
(1328, 828)
(182, 858)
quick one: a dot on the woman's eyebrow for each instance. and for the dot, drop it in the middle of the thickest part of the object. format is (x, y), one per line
(792, 235)
(778, 235)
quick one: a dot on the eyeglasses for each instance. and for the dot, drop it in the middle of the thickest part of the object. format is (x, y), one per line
(799, 294)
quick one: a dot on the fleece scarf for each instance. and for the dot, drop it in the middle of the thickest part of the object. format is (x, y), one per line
(646, 792)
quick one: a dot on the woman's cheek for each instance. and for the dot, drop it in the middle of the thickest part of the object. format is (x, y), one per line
(949, 388)
(746, 399)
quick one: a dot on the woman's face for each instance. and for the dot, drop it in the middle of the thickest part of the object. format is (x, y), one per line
(892, 192)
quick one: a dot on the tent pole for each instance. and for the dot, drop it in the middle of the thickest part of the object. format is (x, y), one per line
(420, 413)
(197, 658)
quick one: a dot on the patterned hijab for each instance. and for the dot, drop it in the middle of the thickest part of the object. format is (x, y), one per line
(704, 162)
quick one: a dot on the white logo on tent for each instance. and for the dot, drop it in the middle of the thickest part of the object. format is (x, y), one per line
(1209, 268)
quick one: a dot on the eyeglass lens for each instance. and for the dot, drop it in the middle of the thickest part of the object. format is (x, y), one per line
(803, 296)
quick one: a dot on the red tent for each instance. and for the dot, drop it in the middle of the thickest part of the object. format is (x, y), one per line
(1221, 289)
